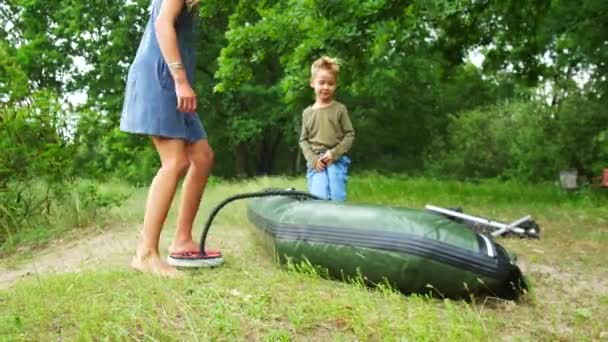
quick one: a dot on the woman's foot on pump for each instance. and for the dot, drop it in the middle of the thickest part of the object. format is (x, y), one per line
(178, 246)
(187, 254)
(150, 262)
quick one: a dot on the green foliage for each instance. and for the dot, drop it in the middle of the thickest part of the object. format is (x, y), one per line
(89, 203)
(103, 154)
(49, 37)
(405, 80)
(527, 141)
(386, 51)
(31, 151)
(13, 80)
(580, 133)
(532, 40)
(36, 171)
(476, 144)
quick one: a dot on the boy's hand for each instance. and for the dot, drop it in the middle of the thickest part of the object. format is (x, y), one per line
(319, 165)
(327, 158)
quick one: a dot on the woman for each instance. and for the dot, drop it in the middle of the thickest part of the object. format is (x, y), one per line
(160, 102)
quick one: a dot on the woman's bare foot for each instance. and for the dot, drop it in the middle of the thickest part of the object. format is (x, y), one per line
(150, 262)
(183, 246)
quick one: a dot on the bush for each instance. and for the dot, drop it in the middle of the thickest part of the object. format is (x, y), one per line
(474, 145)
(36, 163)
(34, 160)
(526, 141)
(104, 152)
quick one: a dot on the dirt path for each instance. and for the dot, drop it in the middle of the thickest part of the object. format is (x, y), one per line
(112, 247)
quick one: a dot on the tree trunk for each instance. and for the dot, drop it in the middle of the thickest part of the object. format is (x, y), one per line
(267, 152)
(273, 151)
(262, 154)
(241, 160)
(298, 163)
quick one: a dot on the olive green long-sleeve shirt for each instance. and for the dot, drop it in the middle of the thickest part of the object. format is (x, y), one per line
(327, 128)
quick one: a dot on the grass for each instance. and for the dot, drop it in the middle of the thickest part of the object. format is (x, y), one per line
(251, 298)
(81, 207)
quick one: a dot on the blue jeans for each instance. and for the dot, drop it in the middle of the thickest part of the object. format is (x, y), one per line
(331, 182)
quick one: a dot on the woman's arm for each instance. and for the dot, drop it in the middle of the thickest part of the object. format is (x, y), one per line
(167, 41)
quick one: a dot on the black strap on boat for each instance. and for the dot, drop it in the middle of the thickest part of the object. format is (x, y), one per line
(265, 193)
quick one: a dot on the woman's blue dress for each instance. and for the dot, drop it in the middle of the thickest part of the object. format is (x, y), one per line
(150, 104)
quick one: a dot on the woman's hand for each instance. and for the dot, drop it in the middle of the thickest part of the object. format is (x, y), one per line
(186, 98)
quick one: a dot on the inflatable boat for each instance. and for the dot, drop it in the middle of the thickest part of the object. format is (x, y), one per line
(414, 251)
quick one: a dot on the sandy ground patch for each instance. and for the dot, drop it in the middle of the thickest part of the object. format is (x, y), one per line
(112, 247)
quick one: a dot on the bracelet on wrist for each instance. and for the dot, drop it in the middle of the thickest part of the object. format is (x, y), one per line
(176, 65)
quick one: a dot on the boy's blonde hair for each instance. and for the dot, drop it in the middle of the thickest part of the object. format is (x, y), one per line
(325, 63)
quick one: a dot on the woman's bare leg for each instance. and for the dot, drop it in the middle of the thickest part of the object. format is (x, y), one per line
(174, 162)
(201, 162)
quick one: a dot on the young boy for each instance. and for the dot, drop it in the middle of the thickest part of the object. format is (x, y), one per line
(327, 134)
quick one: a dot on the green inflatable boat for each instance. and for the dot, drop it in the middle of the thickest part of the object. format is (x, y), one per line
(415, 251)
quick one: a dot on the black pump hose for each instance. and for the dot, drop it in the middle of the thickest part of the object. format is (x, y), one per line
(293, 193)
